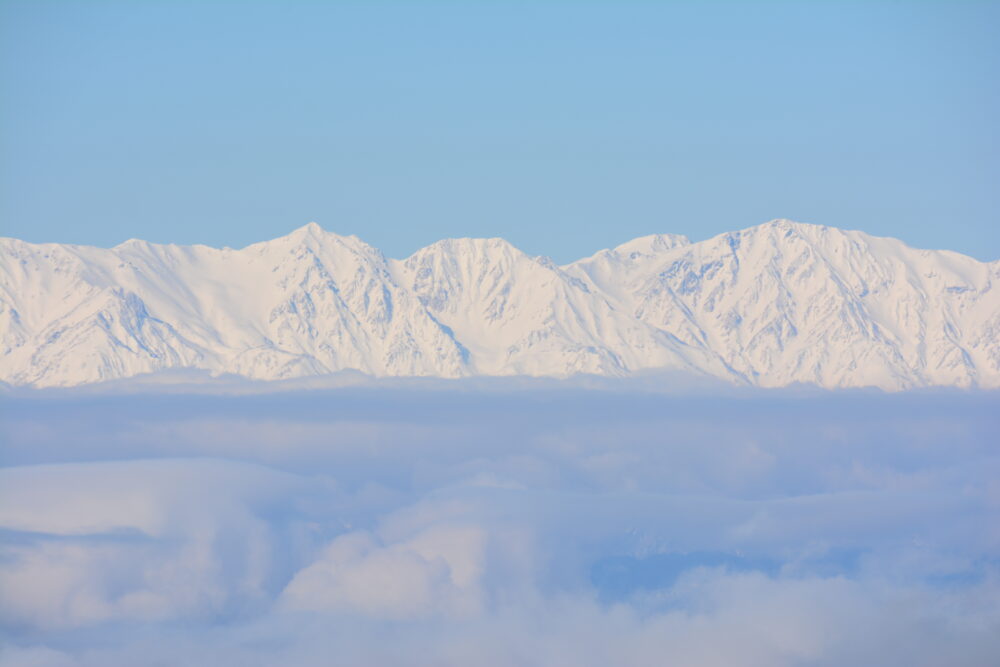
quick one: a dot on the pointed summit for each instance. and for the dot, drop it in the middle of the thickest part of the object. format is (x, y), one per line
(311, 233)
(310, 229)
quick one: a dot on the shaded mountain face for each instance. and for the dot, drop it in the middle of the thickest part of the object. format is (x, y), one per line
(772, 305)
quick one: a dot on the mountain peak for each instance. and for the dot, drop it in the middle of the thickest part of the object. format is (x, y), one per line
(472, 246)
(785, 225)
(312, 234)
(129, 244)
(308, 230)
(652, 244)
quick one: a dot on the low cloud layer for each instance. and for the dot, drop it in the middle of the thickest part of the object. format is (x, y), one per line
(496, 525)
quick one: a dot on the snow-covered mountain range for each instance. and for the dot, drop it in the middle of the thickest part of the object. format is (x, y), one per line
(775, 304)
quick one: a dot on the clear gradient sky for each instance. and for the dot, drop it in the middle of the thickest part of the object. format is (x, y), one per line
(564, 127)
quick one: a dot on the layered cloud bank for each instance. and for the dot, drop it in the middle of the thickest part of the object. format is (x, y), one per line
(772, 305)
(546, 525)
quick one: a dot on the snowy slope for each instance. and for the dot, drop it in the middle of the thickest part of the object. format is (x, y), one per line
(307, 303)
(774, 304)
(524, 315)
(789, 302)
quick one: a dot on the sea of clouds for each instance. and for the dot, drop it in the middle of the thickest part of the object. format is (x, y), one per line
(503, 523)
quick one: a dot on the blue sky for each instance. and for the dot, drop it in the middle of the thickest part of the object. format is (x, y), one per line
(563, 127)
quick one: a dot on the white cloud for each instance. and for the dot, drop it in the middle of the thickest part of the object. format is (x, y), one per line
(154, 539)
(436, 571)
(545, 527)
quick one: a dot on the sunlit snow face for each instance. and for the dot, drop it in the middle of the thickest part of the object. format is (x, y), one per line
(500, 526)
